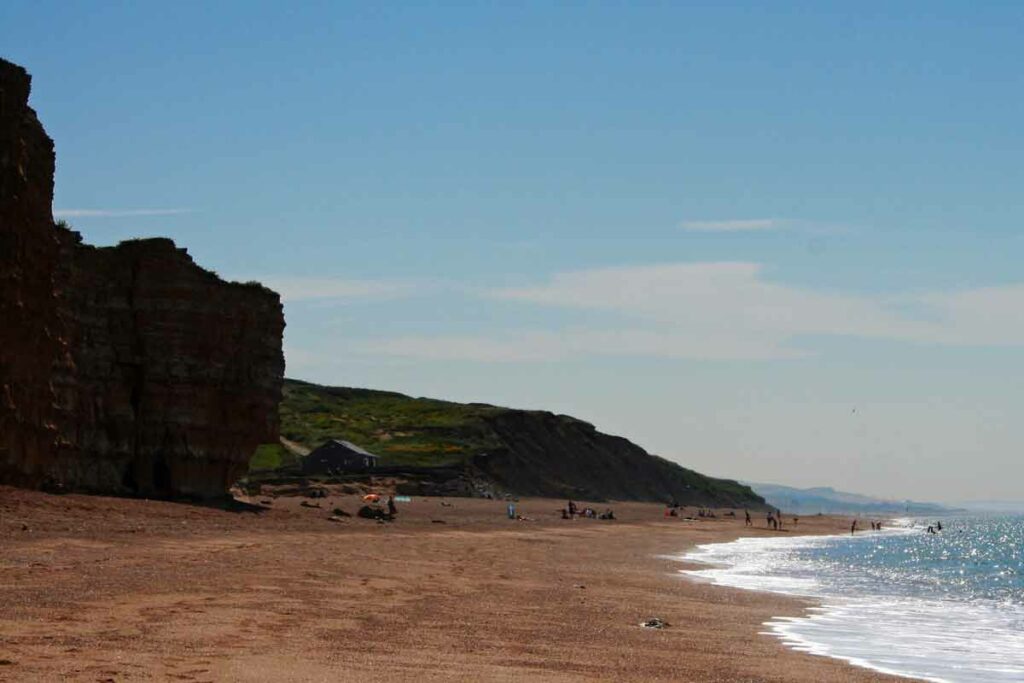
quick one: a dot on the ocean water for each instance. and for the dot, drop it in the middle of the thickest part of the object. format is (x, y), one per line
(944, 607)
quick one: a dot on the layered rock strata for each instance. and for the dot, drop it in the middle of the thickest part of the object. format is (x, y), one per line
(124, 369)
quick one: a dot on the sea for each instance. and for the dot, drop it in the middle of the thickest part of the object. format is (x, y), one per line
(947, 606)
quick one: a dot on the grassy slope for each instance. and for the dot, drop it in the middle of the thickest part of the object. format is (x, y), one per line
(428, 432)
(400, 429)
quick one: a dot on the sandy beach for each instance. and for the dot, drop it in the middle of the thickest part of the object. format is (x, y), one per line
(106, 589)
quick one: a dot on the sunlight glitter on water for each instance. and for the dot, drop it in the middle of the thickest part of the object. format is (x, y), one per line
(947, 607)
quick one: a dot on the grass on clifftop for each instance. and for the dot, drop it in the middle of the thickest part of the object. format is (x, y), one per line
(401, 429)
(409, 431)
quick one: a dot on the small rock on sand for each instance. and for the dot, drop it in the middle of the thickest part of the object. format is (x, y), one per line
(654, 622)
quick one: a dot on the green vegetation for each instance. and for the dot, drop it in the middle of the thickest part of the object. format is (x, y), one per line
(401, 429)
(702, 484)
(531, 452)
(272, 456)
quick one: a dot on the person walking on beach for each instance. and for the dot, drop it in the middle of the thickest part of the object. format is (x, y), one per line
(748, 522)
(853, 527)
(392, 509)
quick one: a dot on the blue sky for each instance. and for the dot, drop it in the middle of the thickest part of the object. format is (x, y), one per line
(778, 242)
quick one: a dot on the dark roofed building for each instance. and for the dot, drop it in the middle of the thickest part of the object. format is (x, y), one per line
(337, 457)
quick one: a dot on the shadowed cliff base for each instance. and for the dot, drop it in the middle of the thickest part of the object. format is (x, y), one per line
(126, 370)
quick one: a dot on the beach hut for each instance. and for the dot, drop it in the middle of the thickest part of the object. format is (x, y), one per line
(336, 456)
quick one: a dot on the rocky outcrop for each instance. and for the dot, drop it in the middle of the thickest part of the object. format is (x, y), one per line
(124, 369)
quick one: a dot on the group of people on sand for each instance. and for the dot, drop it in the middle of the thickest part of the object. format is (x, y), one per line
(373, 509)
(774, 520)
(674, 509)
(571, 510)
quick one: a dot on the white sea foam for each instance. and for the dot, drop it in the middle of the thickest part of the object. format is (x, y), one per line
(931, 639)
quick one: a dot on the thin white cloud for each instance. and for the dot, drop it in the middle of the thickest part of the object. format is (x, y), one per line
(725, 297)
(728, 310)
(574, 343)
(741, 225)
(116, 213)
(983, 316)
(322, 288)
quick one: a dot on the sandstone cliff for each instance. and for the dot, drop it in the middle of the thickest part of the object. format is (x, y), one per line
(125, 369)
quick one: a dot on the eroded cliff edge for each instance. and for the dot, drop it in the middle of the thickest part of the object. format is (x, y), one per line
(447, 448)
(126, 369)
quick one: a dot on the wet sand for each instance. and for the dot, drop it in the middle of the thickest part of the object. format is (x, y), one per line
(105, 589)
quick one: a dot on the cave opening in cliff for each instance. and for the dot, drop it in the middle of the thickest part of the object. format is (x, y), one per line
(149, 477)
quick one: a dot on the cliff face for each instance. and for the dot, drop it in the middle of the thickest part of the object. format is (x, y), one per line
(29, 330)
(525, 452)
(126, 369)
(543, 454)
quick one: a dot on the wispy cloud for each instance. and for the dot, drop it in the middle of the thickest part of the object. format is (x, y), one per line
(741, 225)
(722, 310)
(575, 343)
(116, 213)
(323, 288)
